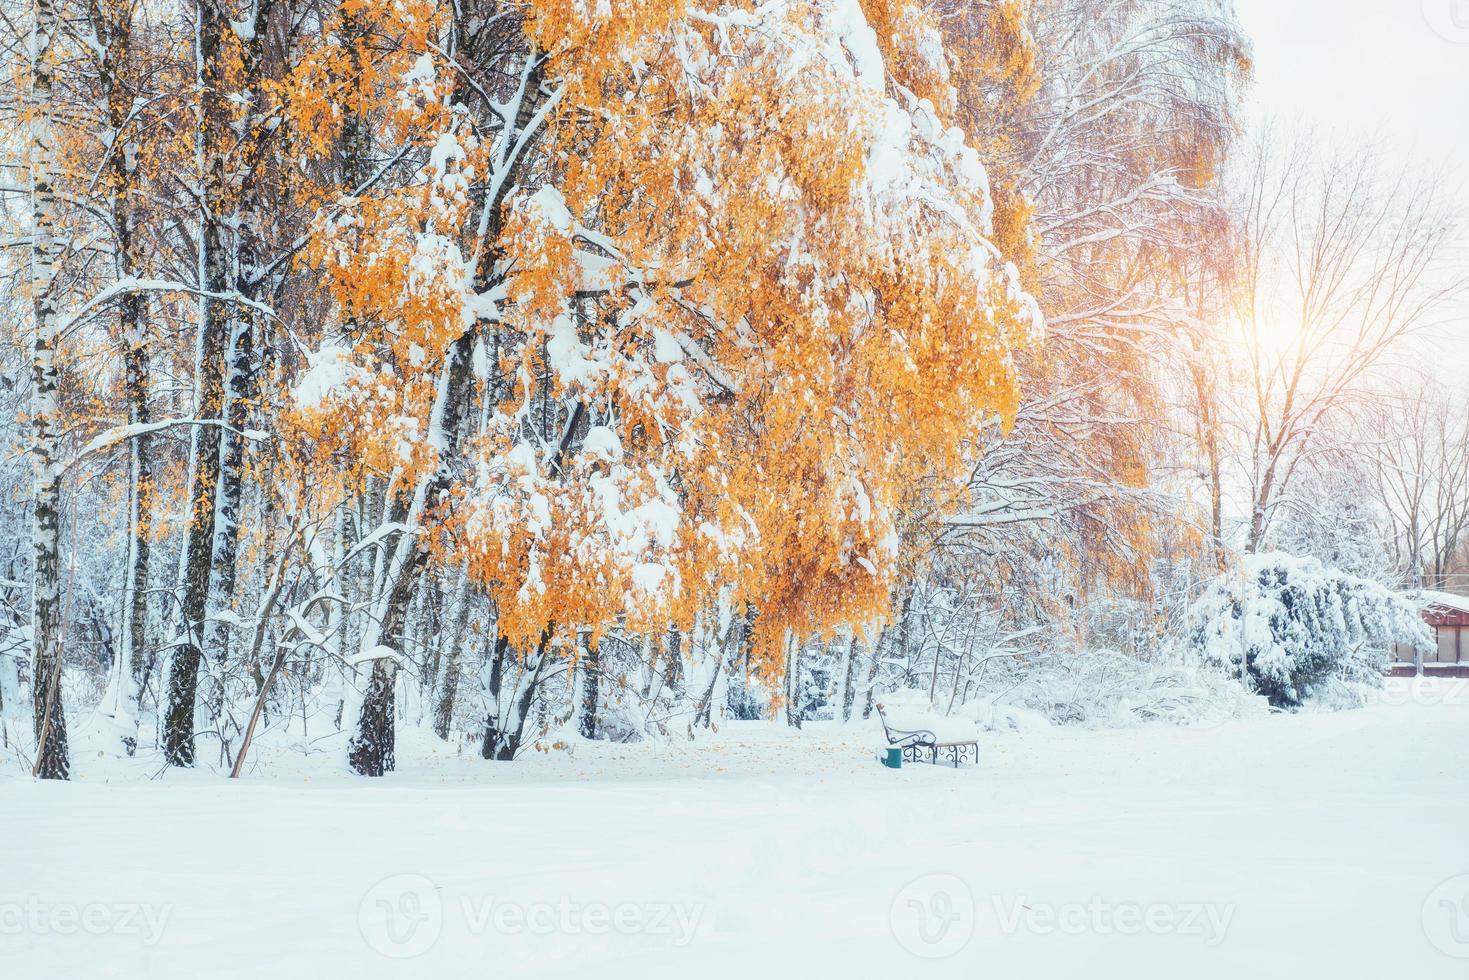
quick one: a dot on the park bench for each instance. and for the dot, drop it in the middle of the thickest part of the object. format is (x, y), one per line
(923, 745)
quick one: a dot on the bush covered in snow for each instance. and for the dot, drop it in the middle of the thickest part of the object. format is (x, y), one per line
(1296, 630)
(909, 709)
(1104, 689)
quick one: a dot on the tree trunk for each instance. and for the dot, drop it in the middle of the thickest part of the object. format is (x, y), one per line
(849, 685)
(52, 761)
(591, 680)
(140, 512)
(673, 670)
(505, 733)
(374, 745)
(114, 23)
(238, 390)
(872, 668)
(448, 692)
(1208, 435)
(448, 682)
(794, 651)
(209, 392)
(372, 739)
(900, 633)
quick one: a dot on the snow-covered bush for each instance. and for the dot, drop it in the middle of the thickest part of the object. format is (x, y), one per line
(1296, 630)
(1331, 520)
(909, 709)
(1104, 689)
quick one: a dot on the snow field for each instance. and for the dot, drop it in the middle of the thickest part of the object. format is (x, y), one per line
(1322, 845)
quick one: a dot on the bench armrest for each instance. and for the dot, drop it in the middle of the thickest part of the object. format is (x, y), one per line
(919, 737)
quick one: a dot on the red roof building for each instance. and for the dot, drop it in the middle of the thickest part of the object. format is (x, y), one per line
(1447, 615)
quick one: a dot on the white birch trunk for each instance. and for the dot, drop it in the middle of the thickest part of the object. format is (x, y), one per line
(52, 761)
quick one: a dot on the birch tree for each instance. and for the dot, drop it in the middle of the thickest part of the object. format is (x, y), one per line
(47, 246)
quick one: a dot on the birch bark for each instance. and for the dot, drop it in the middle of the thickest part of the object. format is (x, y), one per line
(52, 761)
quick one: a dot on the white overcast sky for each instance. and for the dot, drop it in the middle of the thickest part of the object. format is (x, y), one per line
(1399, 68)
(1392, 70)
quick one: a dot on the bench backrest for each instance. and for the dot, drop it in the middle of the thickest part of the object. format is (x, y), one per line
(884, 719)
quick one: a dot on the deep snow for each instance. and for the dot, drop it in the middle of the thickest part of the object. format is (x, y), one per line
(1323, 845)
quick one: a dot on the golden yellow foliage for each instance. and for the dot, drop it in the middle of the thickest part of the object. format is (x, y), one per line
(776, 316)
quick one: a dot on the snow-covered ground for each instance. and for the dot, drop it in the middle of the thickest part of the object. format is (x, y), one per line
(1290, 846)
